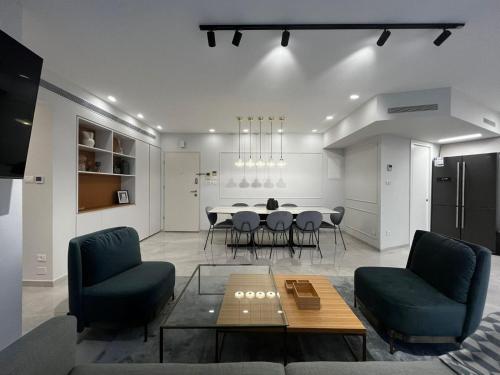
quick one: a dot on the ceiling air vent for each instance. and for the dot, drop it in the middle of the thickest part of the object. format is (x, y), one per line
(413, 108)
(489, 122)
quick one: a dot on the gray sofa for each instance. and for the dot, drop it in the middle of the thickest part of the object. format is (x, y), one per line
(50, 350)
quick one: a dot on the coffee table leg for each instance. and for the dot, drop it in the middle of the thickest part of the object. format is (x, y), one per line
(285, 348)
(364, 347)
(216, 346)
(161, 345)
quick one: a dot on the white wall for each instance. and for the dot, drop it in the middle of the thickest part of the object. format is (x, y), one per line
(54, 156)
(10, 218)
(210, 145)
(394, 191)
(362, 191)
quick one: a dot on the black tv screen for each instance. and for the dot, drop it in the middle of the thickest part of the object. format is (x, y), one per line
(20, 71)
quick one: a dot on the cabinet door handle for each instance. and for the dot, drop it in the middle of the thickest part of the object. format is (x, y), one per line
(457, 195)
(463, 195)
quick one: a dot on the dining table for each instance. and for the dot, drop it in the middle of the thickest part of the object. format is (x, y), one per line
(263, 211)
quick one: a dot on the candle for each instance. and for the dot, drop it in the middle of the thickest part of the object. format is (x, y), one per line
(270, 294)
(260, 295)
(250, 294)
(239, 295)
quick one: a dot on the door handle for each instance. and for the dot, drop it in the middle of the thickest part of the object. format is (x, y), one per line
(193, 191)
(463, 195)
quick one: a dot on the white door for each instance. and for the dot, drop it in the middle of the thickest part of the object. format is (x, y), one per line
(154, 190)
(421, 169)
(182, 193)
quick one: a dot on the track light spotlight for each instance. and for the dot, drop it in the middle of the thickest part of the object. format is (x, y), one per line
(237, 38)
(285, 37)
(383, 37)
(442, 37)
(211, 38)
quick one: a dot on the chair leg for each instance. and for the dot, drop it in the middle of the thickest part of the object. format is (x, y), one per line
(272, 244)
(335, 234)
(252, 239)
(208, 235)
(392, 348)
(317, 242)
(212, 239)
(225, 240)
(301, 244)
(341, 236)
(235, 243)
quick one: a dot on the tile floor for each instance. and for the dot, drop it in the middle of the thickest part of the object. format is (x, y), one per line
(185, 250)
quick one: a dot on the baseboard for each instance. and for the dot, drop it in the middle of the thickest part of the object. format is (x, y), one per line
(45, 283)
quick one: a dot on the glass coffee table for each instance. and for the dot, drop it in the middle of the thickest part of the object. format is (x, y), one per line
(227, 298)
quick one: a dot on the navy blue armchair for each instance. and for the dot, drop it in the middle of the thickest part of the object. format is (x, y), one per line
(438, 298)
(109, 283)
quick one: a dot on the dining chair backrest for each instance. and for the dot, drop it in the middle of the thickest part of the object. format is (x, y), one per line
(246, 221)
(309, 220)
(260, 205)
(279, 220)
(337, 217)
(212, 216)
(289, 205)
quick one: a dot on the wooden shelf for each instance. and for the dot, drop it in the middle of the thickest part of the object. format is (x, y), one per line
(82, 211)
(123, 155)
(106, 174)
(92, 149)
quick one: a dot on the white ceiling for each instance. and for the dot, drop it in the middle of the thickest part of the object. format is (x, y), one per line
(152, 57)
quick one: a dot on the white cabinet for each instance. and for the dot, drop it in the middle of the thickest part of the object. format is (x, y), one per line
(154, 190)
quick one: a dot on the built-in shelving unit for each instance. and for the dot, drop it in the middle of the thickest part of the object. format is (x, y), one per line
(105, 164)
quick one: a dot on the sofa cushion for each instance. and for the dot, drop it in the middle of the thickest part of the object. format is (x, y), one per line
(403, 301)
(133, 295)
(446, 264)
(244, 368)
(368, 368)
(107, 254)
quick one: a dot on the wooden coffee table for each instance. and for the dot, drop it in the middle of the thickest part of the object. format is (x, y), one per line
(334, 316)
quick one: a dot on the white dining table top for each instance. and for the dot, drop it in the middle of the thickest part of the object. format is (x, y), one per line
(263, 210)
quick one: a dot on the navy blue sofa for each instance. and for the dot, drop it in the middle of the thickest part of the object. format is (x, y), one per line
(439, 297)
(109, 283)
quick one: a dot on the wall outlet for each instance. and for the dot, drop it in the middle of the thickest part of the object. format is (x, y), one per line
(41, 270)
(41, 258)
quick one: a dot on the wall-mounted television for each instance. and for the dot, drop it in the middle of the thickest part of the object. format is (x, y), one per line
(20, 71)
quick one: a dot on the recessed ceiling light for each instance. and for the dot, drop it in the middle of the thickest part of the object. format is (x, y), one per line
(245, 130)
(460, 138)
(111, 98)
(315, 130)
(280, 130)
(140, 115)
(329, 117)
(354, 97)
(159, 127)
(211, 130)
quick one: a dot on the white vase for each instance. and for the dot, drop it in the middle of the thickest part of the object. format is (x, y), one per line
(87, 138)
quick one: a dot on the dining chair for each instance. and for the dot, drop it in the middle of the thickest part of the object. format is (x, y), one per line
(223, 225)
(247, 223)
(308, 222)
(289, 205)
(279, 223)
(336, 218)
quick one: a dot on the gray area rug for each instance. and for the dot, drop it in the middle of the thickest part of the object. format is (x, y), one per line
(198, 346)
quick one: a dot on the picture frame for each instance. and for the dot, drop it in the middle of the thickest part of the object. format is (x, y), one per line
(122, 197)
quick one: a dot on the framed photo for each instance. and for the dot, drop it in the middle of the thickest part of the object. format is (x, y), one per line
(122, 196)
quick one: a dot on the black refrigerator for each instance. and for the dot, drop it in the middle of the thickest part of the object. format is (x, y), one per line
(464, 198)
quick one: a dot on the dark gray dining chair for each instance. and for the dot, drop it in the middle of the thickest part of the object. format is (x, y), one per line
(223, 225)
(279, 223)
(289, 205)
(336, 218)
(308, 222)
(247, 223)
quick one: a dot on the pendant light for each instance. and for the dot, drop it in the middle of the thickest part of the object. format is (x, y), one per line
(270, 163)
(239, 163)
(281, 163)
(260, 163)
(250, 163)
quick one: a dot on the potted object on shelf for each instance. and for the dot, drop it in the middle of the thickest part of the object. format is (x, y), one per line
(82, 163)
(125, 166)
(98, 166)
(117, 145)
(87, 138)
(272, 204)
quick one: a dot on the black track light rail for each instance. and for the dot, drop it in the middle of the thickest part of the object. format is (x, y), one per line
(335, 26)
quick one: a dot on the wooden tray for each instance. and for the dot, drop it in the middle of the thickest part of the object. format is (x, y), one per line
(289, 284)
(306, 296)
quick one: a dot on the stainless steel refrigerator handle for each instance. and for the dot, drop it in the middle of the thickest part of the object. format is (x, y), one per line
(463, 194)
(458, 190)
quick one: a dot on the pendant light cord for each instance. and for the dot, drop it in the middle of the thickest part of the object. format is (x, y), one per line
(281, 141)
(239, 138)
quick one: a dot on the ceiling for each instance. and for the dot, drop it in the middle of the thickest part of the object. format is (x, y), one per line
(151, 56)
